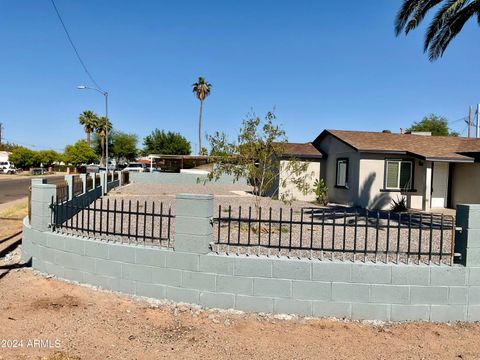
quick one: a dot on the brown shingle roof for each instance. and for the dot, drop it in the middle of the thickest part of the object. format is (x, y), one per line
(447, 148)
(306, 150)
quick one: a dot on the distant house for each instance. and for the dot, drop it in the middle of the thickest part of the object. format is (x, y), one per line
(4, 155)
(305, 154)
(369, 169)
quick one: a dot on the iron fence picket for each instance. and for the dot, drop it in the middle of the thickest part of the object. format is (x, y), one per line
(377, 242)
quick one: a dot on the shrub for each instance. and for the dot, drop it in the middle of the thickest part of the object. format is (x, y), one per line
(320, 190)
(399, 205)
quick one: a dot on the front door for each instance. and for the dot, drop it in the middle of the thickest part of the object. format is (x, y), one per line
(439, 185)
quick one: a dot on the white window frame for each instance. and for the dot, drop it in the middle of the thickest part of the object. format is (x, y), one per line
(398, 175)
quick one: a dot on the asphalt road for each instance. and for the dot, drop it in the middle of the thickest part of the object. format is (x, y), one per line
(17, 187)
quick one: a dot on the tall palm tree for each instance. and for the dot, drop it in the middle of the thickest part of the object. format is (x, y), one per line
(201, 89)
(89, 121)
(448, 21)
(101, 127)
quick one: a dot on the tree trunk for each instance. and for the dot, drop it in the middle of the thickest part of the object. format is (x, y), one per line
(88, 138)
(102, 145)
(200, 129)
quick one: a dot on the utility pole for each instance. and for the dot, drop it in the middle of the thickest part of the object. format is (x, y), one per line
(477, 133)
(470, 122)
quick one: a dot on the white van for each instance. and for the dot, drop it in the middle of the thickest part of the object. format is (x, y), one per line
(7, 167)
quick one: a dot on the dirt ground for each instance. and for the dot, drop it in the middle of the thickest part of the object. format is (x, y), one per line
(49, 319)
(83, 323)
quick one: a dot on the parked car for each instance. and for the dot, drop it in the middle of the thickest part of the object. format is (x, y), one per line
(138, 167)
(7, 167)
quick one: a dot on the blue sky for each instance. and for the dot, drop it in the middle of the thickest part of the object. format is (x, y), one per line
(321, 64)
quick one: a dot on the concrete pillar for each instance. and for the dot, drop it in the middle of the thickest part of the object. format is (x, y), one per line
(103, 182)
(69, 180)
(467, 240)
(119, 178)
(428, 186)
(42, 196)
(94, 178)
(193, 223)
(83, 178)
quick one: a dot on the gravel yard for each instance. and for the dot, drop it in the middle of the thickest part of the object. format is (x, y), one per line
(299, 229)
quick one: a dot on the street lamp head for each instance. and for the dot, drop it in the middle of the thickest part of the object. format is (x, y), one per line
(81, 87)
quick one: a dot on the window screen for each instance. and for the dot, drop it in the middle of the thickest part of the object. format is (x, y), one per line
(342, 172)
(398, 174)
(392, 174)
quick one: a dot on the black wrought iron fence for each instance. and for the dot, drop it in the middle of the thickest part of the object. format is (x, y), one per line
(89, 183)
(122, 221)
(126, 177)
(62, 192)
(77, 186)
(344, 234)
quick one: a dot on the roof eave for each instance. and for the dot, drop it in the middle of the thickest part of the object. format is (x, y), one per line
(452, 160)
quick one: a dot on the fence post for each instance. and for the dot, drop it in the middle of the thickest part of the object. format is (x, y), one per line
(119, 173)
(103, 182)
(42, 196)
(69, 180)
(94, 177)
(83, 177)
(467, 240)
(193, 223)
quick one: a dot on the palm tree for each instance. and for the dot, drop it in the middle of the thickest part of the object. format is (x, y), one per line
(89, 121)
(101, 128)
(446, 24)
(201, 89)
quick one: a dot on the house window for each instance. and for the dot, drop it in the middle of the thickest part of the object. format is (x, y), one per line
(342, 172)
(398, 175)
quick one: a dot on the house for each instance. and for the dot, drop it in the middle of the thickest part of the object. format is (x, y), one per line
(370, 169)
(4, 156)
(306, 154)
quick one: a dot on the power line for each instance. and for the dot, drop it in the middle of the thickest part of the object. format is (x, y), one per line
(11, 141)
(74, 47)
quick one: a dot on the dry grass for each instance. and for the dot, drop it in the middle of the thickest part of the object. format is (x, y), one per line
(11, 218)
(15, 211)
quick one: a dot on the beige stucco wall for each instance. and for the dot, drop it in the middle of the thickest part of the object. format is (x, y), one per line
(290, 190)
(372, 181)
(465, 184)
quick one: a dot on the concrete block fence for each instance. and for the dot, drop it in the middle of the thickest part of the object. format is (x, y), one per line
(191, 273)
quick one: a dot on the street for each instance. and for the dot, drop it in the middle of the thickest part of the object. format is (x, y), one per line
(17, 187)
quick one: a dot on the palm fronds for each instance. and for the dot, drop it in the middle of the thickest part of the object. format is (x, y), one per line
(445, 26)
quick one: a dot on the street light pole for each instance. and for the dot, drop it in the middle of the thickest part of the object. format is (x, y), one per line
(105, 94)
(106, 130)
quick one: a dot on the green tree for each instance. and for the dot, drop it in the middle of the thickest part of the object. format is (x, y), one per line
(447, 23)
(201, 90)
(166, 143)
(7, 146)
(89, 120)
(46, 157)
(123, 145)
(255, 156)
(437, 125)
(101, 129)
(22, 157)
(79, 153)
